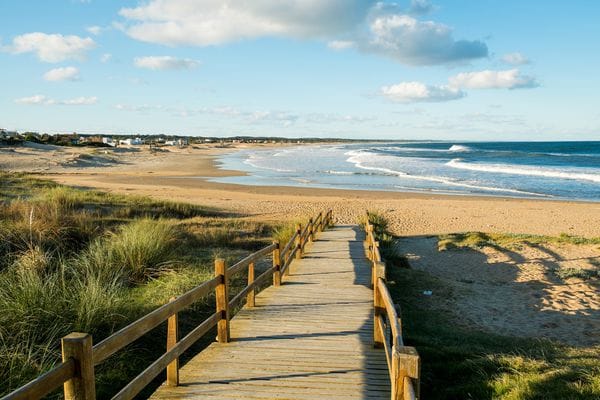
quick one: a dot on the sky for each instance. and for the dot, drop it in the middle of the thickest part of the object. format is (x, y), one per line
(363, 69)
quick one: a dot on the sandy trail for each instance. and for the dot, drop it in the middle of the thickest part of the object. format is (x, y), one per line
(516, 292)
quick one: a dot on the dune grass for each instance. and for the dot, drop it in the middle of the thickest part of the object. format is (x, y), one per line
(512, 241)
(79, 260)
(462, 362)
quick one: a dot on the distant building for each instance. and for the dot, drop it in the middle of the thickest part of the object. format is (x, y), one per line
(109, 141)
(131, 142)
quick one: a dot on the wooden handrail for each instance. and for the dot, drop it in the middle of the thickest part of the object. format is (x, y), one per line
(403, 361)
(138, 328)
(45, 383)
(243, 263)
(390, 310)
(69, 371)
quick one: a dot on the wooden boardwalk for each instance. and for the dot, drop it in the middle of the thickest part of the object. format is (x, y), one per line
(310, 338)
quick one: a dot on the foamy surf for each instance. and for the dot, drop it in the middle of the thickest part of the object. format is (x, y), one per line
(494, 169)
(528, 171)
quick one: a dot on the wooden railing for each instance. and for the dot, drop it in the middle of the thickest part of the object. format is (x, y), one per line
(79, 356)
(403, 361)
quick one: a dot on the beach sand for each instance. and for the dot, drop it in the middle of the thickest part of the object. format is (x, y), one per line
(507, 292)
(182, 175)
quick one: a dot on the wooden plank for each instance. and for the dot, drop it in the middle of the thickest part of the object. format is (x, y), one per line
(143, 379)
(310, 338)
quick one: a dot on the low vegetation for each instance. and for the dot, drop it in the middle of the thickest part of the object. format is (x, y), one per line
(387, 242)
(75, 260)
(511, 241)
(460, 362)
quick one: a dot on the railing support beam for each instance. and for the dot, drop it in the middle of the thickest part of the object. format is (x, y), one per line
(379, 270)
(172, 338)
(277, 264)
(298, 241)
(406, 363)
(82, 386)
(250, 298)
(222, 299)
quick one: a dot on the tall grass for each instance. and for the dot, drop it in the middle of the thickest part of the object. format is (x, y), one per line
(140, 250)
(77, 260)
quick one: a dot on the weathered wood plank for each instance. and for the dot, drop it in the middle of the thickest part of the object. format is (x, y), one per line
(310, 338)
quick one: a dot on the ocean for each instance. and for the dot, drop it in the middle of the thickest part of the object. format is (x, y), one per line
(543, 170)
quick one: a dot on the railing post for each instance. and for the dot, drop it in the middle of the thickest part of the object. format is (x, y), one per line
(379, 306)
(250, 296)
(406, 363)
(172, 338)
(311, 233)
(82, 386)
(222, 298)
(277, 264)
(298, 241)
(374, 263)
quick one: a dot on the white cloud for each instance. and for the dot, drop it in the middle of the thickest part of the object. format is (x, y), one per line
(164, 63)
(94, 30)
(80, 101)
(390, 31)
(508, 79)
(52, 47)
(414, 92)
(515, 59)
(62, 74)
(415, 42)
(340, 44)
(40, 99)
(211, 22)
(36, 99)
(139, 108)
(106, 57)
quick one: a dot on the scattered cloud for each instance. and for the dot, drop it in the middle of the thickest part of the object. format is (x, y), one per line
(508, 79)
(209, 22)
(52, 48)
(94, 30)
(340, 44)
(515, 59)
(417, 92)
(106, 57)
(165, 63)
(80, 101)
(62, 74)
(36, 99)
(415, 42)
(40, 99)
(390, 31)
(139, 108)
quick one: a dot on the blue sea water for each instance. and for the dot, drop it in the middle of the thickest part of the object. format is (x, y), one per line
(553, 170)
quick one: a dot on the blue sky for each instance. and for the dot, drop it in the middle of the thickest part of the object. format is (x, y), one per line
(456, 70)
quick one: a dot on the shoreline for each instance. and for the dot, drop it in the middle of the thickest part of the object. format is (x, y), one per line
(184, 175)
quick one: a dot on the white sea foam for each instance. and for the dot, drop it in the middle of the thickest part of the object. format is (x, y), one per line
(457, 148)
(254, 161)
(360, 158)
(520, 170)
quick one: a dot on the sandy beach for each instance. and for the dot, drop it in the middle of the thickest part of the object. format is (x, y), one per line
(481, 281)
(184, 174)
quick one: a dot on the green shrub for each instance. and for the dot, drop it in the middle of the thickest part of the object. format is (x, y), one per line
(140, 250)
